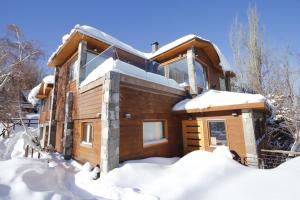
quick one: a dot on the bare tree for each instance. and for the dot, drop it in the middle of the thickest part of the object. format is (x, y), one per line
(247, 46)
(19, 70)
(263, 70)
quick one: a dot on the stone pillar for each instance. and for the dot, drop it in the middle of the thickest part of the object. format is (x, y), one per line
(82, 59)
(68, 127)
(110, 125)
(52, 123)
(249, 136)
(192, 71)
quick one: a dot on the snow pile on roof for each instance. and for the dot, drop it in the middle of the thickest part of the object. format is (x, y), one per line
(127, 69)
(34, 92)
(97, 34)
(214, 98)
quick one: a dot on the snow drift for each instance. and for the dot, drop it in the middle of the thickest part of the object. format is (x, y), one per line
(198, 175)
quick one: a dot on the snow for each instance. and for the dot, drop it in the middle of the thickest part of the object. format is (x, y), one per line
(213, 98)
(197, 175)
(34, 92)
(100, 35)
(127, 69)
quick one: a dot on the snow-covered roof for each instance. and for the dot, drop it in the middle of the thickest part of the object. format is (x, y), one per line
(214, 98)
(100, 35)
(34, 92)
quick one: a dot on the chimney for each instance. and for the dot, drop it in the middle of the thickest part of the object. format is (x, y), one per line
(154, 46)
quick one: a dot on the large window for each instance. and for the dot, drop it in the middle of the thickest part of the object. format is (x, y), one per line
(153, 132)
(179, 71)
(217, 131)
(87, 133)
(73, 71)
(201, 78)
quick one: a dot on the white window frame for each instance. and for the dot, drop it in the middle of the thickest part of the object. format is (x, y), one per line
(89, 134)
(158, 141)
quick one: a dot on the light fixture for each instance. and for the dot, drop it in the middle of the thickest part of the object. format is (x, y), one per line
(127, 115)
(234, 114)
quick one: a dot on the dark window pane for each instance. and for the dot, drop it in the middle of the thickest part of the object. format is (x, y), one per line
(217, 133)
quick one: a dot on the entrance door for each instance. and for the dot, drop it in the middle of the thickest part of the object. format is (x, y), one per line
(193, 135)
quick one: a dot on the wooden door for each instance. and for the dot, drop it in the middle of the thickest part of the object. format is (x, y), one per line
(193, 135)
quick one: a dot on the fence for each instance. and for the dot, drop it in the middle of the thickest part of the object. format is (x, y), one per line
(269, 159)
(31, 150)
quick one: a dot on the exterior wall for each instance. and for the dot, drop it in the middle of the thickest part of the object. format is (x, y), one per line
(146, 104)
(86, 108)
(45, 112)
(234, 129)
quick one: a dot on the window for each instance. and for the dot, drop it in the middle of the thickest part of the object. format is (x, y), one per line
(201, 78)
(92, 62)
(217, 132)
(179, 71)
(87, 135)
(73, 71)
(222, 84)
(153, 132)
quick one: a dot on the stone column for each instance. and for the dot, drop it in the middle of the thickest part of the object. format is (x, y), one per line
(192, 71)
(249, 136)
(110, 125)
(82, 59)
(68, 127)
(52, 123)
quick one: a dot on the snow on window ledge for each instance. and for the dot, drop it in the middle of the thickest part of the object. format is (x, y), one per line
(155, 142)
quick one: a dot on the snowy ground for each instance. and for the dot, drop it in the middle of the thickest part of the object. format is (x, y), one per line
(198, 175)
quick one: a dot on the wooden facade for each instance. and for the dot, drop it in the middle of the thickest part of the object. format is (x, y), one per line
(148, 104)
(234, 131)
(142, 101)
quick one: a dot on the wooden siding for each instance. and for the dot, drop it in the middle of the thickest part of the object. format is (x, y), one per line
(45, 112)
(87, 153)
(234, 130)
(146, 105)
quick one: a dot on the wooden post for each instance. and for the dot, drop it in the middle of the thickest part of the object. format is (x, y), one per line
(52, 123)
(32, 150)
(68, 127)
(192, 71)
(26, 151)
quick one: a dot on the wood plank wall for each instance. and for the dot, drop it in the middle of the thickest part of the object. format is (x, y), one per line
(45, 113)
(234, 128)
(145, 105)
(86, 108)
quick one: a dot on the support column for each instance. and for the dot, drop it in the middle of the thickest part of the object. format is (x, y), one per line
(249, 136)
(68, 127)
(52, 123)
(82, 59)
(191, 71)
(110, 125)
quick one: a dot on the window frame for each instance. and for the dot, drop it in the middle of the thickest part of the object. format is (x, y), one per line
(82, 139)
(205, 74)
(209, 132)
(160, 141)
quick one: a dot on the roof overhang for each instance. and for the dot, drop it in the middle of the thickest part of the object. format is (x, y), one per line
(71, 45)
(44, 90)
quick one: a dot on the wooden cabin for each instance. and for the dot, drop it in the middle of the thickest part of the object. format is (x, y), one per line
(113, 103)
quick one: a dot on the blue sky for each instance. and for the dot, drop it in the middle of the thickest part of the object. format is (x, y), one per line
(138, 23)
